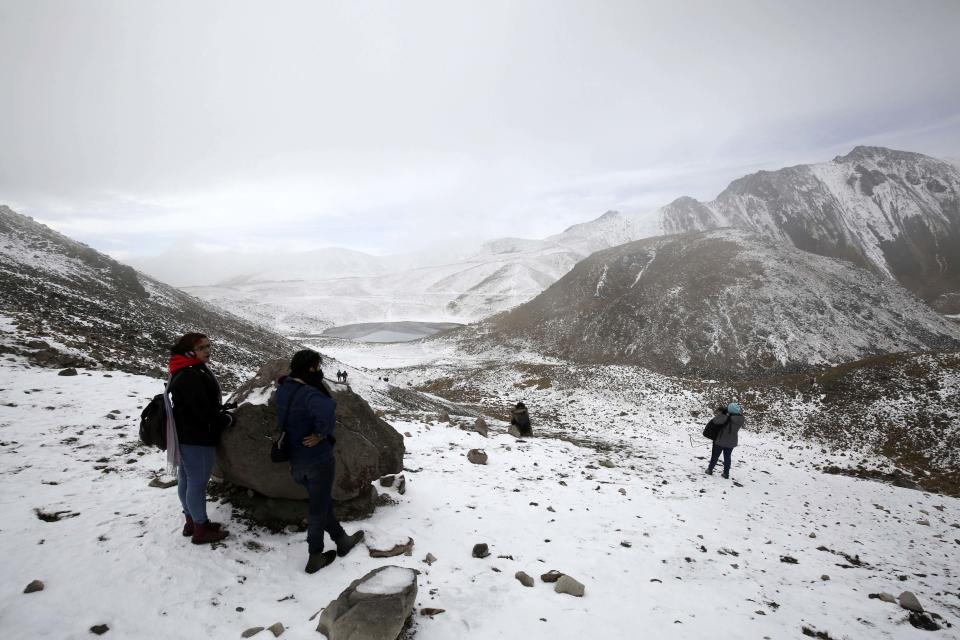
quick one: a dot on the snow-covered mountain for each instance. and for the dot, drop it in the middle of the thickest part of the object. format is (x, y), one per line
(499, 275)
(67, 304)
(721, 303)
(895, 212)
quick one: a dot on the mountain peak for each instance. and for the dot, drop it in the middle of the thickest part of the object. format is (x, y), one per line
(861, 153)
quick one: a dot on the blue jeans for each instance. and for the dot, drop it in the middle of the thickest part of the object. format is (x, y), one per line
(318, 479)
(715, 455)
(196, 465)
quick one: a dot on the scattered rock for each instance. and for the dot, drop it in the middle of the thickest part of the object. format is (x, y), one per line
(551, 576)
(157, 483)
(524, 579)
(607, 463)
(387, 481)
(788, 560)
(252, 631)
(910, 601)
(824, 577)
(566, 584)
(99, 629)
(430, 611)
(924, 522)
(401, 484)
(477, 456)
(481, 550)
(276, 629)
(399, 549)
(430, 559)
(443, 416)
(375, 607)
(813, 535)
(69, 371)
(514, 431)
(626, 543)
(884, 596)
(480, 426)
(33, 587)
(923, 621)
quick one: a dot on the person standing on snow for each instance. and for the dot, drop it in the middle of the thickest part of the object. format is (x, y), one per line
(307, 412)
(199, 416)
(730, 419)
(520, 418)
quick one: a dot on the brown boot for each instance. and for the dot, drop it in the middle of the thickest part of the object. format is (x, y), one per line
(204, 533)
(188, 526)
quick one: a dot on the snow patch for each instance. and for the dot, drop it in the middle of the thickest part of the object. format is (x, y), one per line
(390, 580)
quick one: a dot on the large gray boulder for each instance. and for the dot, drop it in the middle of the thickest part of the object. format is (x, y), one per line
(375, 607)
(367, 447)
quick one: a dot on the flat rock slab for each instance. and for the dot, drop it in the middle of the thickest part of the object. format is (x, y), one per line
(566, 584)
(383, 545)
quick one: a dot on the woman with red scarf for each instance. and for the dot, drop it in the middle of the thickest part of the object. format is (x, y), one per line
(199, 419)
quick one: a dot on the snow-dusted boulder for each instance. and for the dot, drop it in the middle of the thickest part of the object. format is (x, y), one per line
(375, 607)
(367, 447)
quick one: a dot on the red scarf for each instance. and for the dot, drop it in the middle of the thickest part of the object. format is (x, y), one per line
(178, 362)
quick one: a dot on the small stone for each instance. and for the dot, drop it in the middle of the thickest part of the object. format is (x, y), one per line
(387, 481)
(626, 543)
(924, 522)
(909, 601)
(157, 483)
(788, 560)
(551, 576)
(886, 597)
(477, 456)
(481, 550)
(524, 579)
(252, 631)
(70, 371)
(622, 491)
(401, 484)
(404, 548)
(824, 577)
(607, 463)
(813, 535)
(99, 629)
(276, 629)
(36, 585)
(430, 559)
(429, 611)
(566, 584)
(480, 426)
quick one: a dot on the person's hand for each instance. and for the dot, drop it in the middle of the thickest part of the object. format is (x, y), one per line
(312, 440)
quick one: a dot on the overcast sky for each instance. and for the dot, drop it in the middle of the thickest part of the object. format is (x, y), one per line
(388, 126)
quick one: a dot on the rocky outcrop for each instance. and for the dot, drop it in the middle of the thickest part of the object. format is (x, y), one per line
(721, 304)
(375, 607)
(367, 447)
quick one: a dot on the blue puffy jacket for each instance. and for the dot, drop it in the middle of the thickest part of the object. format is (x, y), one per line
(310, 411)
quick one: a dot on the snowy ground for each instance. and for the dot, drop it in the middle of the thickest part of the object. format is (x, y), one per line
(663, 550)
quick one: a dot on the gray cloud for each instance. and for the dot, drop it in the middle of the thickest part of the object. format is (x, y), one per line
(388, 126)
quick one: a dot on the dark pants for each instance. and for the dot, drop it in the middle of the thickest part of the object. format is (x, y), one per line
(715, 455)
(318, 479)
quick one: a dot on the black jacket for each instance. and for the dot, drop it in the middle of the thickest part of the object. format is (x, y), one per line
(197, 408)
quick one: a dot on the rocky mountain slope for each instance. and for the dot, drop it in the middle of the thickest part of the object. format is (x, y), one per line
(724, 304)
(66, 304)
(894, 212)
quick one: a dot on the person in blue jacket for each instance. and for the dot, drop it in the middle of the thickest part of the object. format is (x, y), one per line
(306, 408)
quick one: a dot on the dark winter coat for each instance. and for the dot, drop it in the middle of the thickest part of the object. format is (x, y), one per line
(197, 406)
(307, 410)
(521, 418)
(729, 427)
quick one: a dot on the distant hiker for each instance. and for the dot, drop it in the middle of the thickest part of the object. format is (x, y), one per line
(520, 418)
(339, 375)
(304, 402)
(344, 376)
(199, 418)
(729, 419)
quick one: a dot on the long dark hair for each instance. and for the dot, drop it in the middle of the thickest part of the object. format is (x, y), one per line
(186, 343)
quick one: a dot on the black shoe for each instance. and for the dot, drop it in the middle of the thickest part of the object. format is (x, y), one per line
(709, 471)
(346, 543)
(318, 561)
(726, 475)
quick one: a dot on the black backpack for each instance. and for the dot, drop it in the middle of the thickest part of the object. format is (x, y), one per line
(153, 420)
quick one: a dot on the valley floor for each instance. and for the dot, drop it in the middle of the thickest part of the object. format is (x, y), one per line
(663, 550)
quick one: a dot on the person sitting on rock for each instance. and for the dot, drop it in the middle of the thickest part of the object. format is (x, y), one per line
(730, 419)
(520, 418)
(305, 406)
